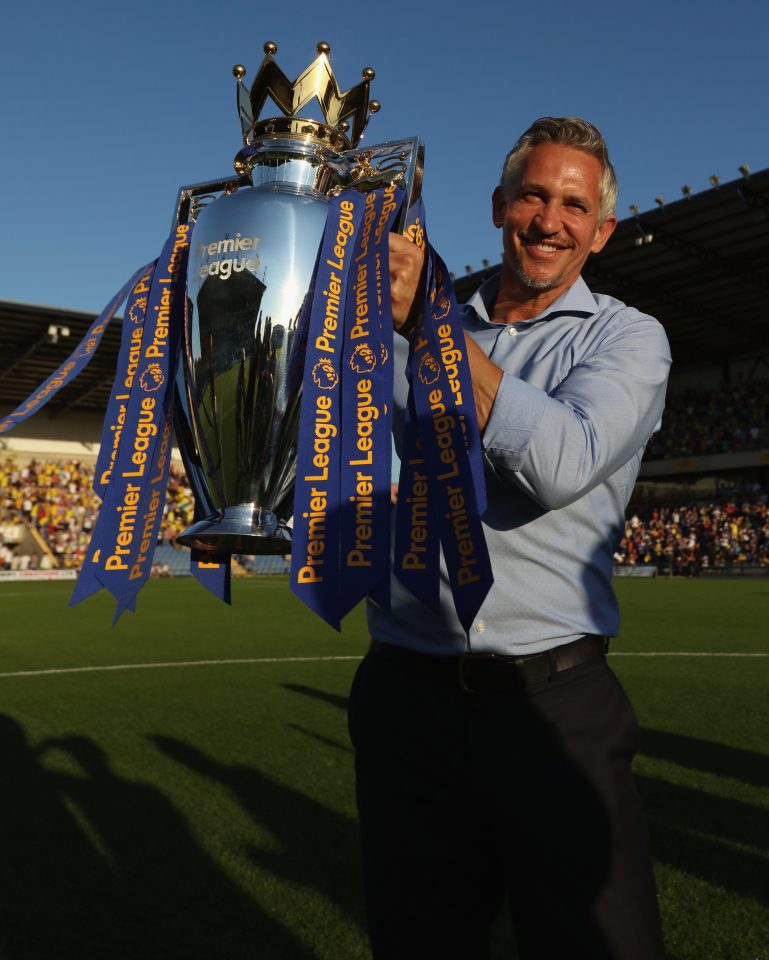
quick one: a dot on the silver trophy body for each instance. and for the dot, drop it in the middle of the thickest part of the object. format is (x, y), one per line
(251, 264)
(253, 255)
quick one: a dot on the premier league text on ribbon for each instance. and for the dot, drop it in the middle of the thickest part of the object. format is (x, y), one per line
(131, 544)
(367, 402)
(127, 368)
(363, 361)
(442, 476)
(321, 379)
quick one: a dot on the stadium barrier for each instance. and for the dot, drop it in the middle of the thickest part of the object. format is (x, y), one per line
(626, 570)
(18, 575)
(735, 570)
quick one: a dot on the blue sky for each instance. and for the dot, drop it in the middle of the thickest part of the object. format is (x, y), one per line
(108, 108)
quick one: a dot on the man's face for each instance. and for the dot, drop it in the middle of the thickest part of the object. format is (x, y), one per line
(550, 220)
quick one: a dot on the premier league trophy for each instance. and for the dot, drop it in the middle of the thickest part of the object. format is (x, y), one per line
(254, 251)
(274, 288)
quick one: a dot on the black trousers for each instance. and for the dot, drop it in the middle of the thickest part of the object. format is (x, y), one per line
(466, 800)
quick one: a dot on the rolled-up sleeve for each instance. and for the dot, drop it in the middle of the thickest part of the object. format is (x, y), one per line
(558, 445)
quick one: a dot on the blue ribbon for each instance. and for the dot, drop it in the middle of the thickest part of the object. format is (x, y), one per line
(367, 406)
(441, 490)
(212, 571)
(127, 366)
(417, 523)
(315, 541)
(123, 543)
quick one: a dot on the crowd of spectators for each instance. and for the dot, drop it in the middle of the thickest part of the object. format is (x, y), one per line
(697, 422)
(54, 498)
(683, 540)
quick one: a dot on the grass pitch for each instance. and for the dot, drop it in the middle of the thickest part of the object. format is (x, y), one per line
(205, 810)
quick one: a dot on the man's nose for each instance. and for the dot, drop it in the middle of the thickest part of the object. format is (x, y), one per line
(548, 219)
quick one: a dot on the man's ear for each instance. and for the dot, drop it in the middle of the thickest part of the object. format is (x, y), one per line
(498, 206)
(604, 232)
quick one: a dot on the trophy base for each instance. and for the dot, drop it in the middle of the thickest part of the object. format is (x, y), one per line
(243, 529)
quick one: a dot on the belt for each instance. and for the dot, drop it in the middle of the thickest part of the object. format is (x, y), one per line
(493, 672)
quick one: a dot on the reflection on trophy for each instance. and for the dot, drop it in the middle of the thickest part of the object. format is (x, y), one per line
(254, 249)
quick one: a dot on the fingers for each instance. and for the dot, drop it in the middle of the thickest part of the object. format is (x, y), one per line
(406, 278)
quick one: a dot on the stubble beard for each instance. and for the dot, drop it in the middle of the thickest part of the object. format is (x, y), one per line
(540, 284)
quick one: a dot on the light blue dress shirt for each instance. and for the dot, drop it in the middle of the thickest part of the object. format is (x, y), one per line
(583, 390)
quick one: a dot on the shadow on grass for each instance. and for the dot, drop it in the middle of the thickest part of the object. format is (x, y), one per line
(703, 834)
(696, 754)
(333, 698)
(318, 847)
(95, 865)
(326, 741)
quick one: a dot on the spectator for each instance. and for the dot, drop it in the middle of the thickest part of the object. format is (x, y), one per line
(55, 497)
(697, 422)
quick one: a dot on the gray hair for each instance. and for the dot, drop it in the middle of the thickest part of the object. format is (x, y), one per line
(571, 132)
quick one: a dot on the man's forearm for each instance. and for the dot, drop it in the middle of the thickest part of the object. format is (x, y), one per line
(486, 377)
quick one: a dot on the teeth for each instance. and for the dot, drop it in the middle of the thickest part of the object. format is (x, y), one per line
(547, 247)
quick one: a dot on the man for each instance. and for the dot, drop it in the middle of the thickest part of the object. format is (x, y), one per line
(480, 778)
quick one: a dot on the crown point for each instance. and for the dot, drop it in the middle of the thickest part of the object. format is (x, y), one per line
(374, 106)
(323, 47)
(238, 71)
(368, 73)
(344, 126)
(270, 48)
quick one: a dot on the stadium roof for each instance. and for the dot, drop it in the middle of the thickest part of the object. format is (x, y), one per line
(34, 342)
(700, 265)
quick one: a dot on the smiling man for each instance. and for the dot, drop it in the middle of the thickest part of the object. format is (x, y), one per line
(494, 764)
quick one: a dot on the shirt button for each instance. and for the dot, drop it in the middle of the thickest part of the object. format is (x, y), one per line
(480, 626)
(511, 331)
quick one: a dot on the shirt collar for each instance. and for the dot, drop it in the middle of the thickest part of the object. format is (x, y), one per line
(577, 300)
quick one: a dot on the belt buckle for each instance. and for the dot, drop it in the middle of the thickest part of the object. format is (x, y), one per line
(471, 658)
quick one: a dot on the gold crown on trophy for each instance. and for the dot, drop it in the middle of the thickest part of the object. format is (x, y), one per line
(317, 81)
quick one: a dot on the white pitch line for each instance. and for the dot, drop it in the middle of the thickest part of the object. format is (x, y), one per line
(176, 663)
(682, 653)
(215, 663)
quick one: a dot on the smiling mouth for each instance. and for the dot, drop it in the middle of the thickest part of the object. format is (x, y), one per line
(544, 246)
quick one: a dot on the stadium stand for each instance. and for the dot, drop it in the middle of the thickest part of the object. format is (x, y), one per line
(48, 510)
(732, 418)
(692, 538)
(701, 502)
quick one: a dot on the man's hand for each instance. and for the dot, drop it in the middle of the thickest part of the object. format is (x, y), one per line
(407, 282)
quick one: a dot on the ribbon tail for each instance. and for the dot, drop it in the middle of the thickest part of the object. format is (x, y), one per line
(214, 572)
(123, 604)
(86, 586)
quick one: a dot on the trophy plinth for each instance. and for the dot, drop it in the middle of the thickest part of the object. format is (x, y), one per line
(245, 528)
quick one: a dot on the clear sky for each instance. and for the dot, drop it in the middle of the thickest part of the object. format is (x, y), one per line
(108, 108)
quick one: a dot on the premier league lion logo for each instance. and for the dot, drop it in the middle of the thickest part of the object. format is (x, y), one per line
(442, 309)
(152, 379)
(137, 311)
(429, 369)
(324, 375)
(88, 348)
(363, 359)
